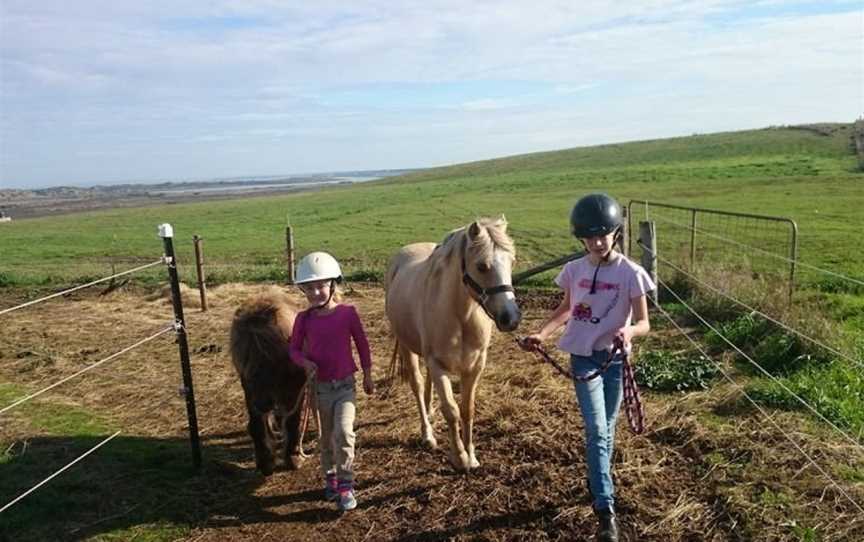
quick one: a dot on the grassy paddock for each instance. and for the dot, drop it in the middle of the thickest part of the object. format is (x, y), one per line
(793, 173)
(808, 177)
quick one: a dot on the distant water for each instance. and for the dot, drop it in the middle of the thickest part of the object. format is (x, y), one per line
(261, 187)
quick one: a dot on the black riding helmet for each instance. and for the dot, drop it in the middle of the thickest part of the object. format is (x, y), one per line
(595, 215)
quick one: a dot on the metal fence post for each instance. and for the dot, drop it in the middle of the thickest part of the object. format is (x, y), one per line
(648, 241)
(166, 232)
(199, 268)
(289, 247)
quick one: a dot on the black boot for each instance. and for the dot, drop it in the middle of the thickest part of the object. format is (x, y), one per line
(607, 529)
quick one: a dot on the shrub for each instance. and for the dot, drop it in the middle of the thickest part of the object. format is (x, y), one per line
(366, 275)
(6, 279)
(833, 389)
(747, 329)
(664, 371)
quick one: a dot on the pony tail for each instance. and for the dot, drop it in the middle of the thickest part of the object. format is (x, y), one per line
(399, 366)
(394, 368)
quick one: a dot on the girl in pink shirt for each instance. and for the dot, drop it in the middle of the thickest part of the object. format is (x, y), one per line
(603, 292)
(321, 344)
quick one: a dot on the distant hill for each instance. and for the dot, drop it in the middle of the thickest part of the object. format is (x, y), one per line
(130, 189)
(23, 203)
(768, 152)
(829, 140)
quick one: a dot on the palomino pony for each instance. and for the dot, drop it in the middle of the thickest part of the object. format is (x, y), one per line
(441, 302)
(272, 383)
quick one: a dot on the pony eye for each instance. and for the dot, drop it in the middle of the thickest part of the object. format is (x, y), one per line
(483, 268)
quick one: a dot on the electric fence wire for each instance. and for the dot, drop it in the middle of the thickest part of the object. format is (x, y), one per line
(81, 287)
(754, 403)
(777, 381)
(757, 249)
(172, 327)
(760, 313)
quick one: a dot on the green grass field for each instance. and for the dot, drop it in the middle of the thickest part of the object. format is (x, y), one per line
(799, 174)
(794, 173)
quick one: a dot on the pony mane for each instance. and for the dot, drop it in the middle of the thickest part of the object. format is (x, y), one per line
(493, 235)
(261, 334)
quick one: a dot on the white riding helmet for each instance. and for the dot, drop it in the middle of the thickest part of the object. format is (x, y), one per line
(318, 266)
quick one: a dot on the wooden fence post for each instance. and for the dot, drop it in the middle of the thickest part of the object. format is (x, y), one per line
(199, 267)
(648, 241)
(289, 246)
(693, 239)
(624, 237)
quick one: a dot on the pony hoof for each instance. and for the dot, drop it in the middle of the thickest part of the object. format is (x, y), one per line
(461, 464)
(427, 438)
(473, 463)
(293, 462)
(265, 467)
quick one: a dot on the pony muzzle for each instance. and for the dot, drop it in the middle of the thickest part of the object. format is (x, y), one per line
(509, 317)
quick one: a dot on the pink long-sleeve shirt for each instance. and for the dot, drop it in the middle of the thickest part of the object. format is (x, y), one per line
(325, 339)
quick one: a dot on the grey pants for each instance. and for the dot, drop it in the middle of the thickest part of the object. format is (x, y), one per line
(336, 406)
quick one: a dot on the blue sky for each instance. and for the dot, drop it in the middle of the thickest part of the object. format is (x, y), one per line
(99, 92)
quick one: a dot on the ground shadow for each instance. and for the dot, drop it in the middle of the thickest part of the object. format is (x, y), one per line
(129, 482)
(483, 524)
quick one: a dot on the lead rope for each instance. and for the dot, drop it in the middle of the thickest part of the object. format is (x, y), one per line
(308, 397)
(632, 400)
(305, 404)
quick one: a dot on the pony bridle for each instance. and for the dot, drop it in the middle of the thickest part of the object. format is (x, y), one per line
(483, 294)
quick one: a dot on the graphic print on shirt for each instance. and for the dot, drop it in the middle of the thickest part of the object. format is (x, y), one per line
(584, 313)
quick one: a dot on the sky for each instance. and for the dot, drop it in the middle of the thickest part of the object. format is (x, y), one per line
(102, 92)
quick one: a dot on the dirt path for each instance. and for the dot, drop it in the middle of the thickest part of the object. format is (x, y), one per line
(707, 468)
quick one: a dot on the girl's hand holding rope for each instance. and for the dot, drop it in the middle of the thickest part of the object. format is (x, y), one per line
(531, 343)
(310, 368)
(632, 400)
(368, 383)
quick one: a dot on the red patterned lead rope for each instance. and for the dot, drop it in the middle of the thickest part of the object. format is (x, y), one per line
(534, 347)
(632, 400)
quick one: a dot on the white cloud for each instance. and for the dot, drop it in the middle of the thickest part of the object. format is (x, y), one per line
(442, 81)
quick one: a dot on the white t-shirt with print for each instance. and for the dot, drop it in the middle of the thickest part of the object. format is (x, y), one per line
(596, 318)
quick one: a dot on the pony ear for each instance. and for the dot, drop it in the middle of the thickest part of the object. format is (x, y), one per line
(473, 230)
(503, 221)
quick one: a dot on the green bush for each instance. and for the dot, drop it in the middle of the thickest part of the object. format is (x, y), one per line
(778, 352)
(663, 371)
(366, 275)
(745, 332)
(6, 279)
(834, 389)
(836, 285)
(781, 354)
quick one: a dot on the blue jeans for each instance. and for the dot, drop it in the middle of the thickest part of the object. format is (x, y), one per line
(599, 400)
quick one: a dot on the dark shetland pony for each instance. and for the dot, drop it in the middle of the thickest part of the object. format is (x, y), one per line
(273, 385)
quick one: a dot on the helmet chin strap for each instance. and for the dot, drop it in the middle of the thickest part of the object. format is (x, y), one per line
(604, 259)
(332, 291)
